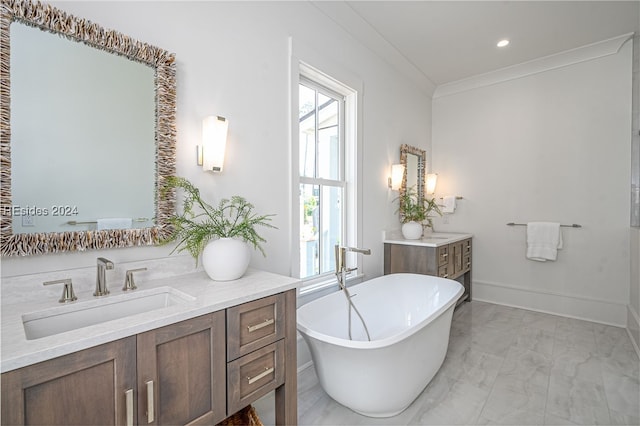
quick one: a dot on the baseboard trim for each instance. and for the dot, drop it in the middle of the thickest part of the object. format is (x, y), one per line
(572, 306)
(633, 328)
(304, 366)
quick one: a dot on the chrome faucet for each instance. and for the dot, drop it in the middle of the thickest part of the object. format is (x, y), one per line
(101, 277)
(340, 258)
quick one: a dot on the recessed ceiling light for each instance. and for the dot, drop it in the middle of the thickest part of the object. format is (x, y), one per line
(503, 43)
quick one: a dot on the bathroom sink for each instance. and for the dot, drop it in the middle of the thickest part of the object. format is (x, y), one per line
(77, 315)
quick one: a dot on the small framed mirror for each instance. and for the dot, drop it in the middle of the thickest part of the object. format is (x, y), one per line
(414, 161)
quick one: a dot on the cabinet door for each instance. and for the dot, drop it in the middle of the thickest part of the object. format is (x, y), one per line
(181, 372)
(88, 387)
(455, 263)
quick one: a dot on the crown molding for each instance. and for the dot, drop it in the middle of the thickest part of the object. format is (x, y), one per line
(569, 57)
(352, 23)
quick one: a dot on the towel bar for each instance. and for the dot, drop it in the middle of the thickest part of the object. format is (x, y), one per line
(73, 222)
(457, 198)
(573, 225)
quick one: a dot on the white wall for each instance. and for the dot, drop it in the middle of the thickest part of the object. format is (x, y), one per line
(548, 146)
(633, 315)
(233, 60)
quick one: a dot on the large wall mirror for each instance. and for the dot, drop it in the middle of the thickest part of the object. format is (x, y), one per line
(88, 134)
(414, 161)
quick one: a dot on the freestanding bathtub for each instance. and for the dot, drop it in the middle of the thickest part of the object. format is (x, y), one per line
(409, 319)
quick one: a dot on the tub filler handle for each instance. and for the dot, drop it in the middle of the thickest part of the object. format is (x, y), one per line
(265, 373)
(263, 324)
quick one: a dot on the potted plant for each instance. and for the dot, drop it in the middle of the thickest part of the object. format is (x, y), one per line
(414, 212)
(221, 234)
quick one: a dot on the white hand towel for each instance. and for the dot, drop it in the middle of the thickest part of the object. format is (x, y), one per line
(448, 204)
(543, 241)
(114, 223)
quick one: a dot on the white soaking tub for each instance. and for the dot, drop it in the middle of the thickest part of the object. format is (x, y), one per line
(409, 319)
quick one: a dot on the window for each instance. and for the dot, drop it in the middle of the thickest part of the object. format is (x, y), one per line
(325, 180)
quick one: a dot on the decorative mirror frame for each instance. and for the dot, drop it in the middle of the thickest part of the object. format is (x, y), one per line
(48, 18)
(422, 167)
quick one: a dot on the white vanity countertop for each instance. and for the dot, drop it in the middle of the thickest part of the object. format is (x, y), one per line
(209, 296)
(435, 239)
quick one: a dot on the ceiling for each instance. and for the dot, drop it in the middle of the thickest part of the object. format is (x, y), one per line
(446, 41)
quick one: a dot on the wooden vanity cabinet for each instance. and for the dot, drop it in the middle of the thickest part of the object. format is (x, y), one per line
(197, 371)
(448, 261)
(173, 375)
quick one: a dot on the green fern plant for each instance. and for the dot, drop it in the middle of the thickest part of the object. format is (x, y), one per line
(201, 222)
(415, 209)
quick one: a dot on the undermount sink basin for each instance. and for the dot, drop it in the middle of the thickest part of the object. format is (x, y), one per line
(77, 315)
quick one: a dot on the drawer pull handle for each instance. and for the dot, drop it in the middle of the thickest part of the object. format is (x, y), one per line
(150, 408)
(445, 254)
(445, 276)
(265, 373)
(129, 406)
(253, 328)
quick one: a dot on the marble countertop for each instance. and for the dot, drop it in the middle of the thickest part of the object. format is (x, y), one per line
(206, 296)
(434, 239)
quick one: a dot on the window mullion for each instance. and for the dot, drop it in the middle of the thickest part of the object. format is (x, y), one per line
(320, 181)
(317, 137)
(320, 229)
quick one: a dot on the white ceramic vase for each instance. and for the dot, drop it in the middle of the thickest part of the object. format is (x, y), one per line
(226, 259)
(412, 230)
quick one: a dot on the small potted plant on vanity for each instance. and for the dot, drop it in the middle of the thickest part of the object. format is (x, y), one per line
(221, 234)
(414, 213)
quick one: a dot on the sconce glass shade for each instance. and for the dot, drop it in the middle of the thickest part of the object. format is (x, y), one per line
(214, 142)
(397, 173)
(431, 181)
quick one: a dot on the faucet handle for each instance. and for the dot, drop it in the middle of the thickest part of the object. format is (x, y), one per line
(67, 291)
(129, 283)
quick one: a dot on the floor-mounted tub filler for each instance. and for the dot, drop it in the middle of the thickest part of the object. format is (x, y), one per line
(409, 319)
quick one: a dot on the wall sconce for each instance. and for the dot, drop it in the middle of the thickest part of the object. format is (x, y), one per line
(397, 173)
(431, 181)
(214, 142)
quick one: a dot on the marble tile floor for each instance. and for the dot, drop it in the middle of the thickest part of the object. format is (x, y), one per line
(508, 366)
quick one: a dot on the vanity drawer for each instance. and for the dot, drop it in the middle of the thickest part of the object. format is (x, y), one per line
(466, 263)
(253, 325)
(254, 375)
(466, 244)
(443, 255)
(443, 271)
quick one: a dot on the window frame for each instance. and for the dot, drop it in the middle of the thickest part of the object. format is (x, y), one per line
(349, 168)
(324, 182)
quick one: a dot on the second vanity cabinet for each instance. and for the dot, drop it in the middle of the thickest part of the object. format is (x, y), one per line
(442, 259)
(197, 371)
